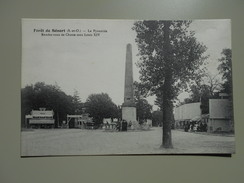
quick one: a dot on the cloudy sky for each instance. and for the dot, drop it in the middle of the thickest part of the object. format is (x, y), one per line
(95, 64)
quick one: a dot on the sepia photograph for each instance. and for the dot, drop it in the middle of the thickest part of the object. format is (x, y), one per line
(126, 87)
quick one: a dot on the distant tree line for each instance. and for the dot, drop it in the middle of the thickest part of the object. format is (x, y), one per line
(208, 87)
(51, 97)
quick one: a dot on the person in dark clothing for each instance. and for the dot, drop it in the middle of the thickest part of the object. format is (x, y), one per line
(205, 127)
(186, 127)
(124, 125)
(200, 127)
(118, 126)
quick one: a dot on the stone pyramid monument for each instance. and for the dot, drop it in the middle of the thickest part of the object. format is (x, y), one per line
(129, 106)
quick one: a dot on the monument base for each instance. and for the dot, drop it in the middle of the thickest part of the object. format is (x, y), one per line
(129, 114)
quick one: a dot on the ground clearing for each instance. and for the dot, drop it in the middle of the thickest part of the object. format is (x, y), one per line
(43, 142)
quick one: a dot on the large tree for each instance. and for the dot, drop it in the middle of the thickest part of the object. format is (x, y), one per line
(170, 56)
(101, 106)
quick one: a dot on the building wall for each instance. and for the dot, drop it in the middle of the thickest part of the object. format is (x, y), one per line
(219, 108)
(220, 115)
(187, 111)
(215, 125)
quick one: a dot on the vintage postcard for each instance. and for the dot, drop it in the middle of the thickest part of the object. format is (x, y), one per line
(124, 87)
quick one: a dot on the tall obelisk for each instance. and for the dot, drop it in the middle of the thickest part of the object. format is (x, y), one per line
(129, 107)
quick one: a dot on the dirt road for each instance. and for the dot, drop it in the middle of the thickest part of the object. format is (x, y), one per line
(91, 142)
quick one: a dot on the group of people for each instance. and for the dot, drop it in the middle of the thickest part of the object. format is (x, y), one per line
(118, 126)
(195, 127)
(122, 126)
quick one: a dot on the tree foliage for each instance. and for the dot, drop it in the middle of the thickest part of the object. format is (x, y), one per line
(181, 56)
(225, 68)
(50, 97)
(157, 118)
(208, 87)
(143, 108)
(201, 94)
(101, 106)
(77, 104)
(170, 56)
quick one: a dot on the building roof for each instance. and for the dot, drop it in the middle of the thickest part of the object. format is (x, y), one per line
(46, 113)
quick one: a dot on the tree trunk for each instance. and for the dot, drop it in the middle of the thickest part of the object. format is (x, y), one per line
(167, 115)
(167, 90)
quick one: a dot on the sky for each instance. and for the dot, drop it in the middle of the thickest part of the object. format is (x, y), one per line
(95, 64)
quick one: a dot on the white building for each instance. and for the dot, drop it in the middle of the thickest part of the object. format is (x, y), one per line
(41, 118)
(220, 115)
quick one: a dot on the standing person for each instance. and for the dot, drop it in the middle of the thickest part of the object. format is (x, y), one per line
(118, 125)
(195, 127)
(205, 127)
(186, 128)
(191, 127)
(130, 124)
(200, 127)
(124, 125)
